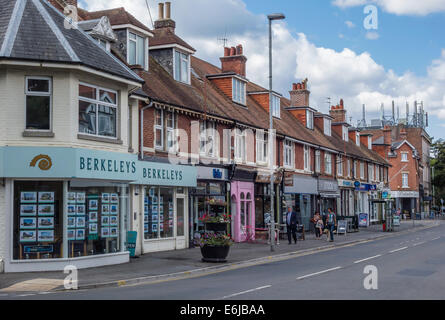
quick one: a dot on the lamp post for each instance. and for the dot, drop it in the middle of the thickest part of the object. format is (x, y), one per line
(272, 17)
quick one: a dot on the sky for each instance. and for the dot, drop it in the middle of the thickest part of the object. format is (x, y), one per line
(393, 50)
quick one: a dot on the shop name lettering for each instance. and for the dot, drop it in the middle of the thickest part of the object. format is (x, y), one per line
(104, 165)
(162, 174)
(130, 167)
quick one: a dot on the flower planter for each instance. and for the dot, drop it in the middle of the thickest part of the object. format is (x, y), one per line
(215, 253)
(216, 226)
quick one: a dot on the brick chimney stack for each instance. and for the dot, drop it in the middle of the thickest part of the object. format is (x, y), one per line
(164, 17)
(234, 60)
(338, 112)
(403, 134)
(61, 4)
(299, 96)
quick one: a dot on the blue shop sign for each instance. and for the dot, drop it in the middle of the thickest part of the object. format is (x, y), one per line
(71, 163)
(364, 186)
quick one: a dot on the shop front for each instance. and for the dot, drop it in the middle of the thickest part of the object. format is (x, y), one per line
(262, 199)
(364, 194)
(210, 197)
(66, 206)
(300, 194)
(346, 197)
(329, 196)
(242, 207)
(407, 201)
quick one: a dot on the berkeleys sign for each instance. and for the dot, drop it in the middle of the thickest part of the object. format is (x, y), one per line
(23, 162)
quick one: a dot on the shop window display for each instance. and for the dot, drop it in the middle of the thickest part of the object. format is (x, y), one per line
(93, 220)
(38, 220)
(158, 213)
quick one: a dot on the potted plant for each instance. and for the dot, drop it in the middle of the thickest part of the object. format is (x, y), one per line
(216, 223)
(215, 247)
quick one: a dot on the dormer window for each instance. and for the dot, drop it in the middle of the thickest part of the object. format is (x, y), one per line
(137, 50)
(239, 91)
(309, 119)
(369, 143)
(345, 133)
(357, 139)
(276, 106)
(327, 126)
(182, 67)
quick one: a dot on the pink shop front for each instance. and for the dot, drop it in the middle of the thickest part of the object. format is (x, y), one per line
(242, 206)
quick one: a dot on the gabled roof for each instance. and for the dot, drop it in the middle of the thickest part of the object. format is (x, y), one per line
(396, 145)
(117, 16)
(34, 30)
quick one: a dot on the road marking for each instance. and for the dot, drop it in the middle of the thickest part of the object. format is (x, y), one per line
(366, 259)
(435, 239)
(419, 243)
(244, 292)
(26, 295)
(317, 273)
(400, 249)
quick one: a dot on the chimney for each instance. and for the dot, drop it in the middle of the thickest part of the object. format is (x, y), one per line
(403, 134)
(234, 60)
(299, 96)
(338, 112)
(164, 20)
(366, 140)
(387, 135)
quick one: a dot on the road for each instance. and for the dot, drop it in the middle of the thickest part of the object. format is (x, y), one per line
(409, 266)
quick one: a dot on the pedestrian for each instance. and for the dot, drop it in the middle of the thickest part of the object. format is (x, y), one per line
(318, 223)
(331, 221)
(291, 225)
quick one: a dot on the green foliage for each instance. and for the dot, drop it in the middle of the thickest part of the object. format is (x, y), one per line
(438, 163)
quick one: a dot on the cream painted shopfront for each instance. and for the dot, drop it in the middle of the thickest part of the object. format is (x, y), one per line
(69, 206)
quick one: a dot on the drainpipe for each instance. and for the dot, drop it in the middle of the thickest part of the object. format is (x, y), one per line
(141, 132)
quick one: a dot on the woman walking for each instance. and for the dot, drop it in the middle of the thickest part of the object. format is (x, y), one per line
(318, 222)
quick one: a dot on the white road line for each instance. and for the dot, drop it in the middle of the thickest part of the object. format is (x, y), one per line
(366, 259)
(317, 273)
(400, 249)
(26, 295)
(244, 292)
(419, 243)
(435, 239)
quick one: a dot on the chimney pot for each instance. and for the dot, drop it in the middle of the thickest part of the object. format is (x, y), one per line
(226, 52)
(239, 49)
(161, 11)
(294, 87)
(232, 51)
(341, 103)
(168, 10)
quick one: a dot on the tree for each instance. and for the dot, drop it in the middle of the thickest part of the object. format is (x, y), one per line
(438, 165)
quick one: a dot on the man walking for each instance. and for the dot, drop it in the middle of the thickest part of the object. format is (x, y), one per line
(331, 220)
(291, 224)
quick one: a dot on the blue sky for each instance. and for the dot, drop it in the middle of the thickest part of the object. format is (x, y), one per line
(325, 41)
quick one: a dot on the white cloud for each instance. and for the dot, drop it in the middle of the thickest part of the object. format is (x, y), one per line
(350, 24)
(355, 77)
(371, 35)
(398, 7)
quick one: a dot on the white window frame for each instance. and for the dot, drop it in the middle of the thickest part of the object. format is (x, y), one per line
(182, 60)
(307, 158)
(309, 119)
(349, 168)
(370, 172)
(362, 170)
(317, 161)
(238, 91)
(145, 66)
(159, 127)
(240, 145)
(171, 132)
(276, 106)
(328, 163)
(340, 165)
(345, 133)
(97, 102)
(289, 154)
(403, 155)
(327, 125)
(357, 139)
(405, 182)
(207, 132)
(262, 147)
(377, 173)
(40, 94)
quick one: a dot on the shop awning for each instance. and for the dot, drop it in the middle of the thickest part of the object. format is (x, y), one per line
(329, 195)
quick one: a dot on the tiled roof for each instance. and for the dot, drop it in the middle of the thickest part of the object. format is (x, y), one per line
(36, 32)
(117, 16)
(165, 36)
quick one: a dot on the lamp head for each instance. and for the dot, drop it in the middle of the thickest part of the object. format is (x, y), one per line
(276, 16)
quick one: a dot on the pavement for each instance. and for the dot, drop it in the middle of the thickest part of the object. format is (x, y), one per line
(170, 265)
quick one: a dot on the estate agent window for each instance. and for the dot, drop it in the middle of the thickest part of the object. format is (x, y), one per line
(159, 213)
(97, 111)
(38, 103)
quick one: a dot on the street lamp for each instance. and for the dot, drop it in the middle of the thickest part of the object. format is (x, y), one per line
(271, 17)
